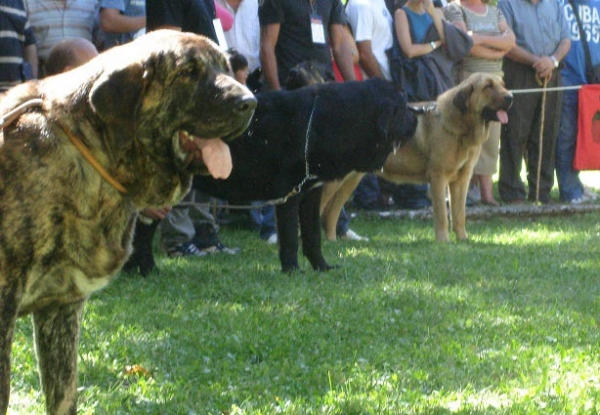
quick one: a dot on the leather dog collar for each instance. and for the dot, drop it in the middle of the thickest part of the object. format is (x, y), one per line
(92, 160)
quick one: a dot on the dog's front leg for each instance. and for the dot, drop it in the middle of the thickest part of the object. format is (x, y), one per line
(458, 202)
(440, 213)
(56, 339)
(10, 297)
(286, 217)
(310, 228)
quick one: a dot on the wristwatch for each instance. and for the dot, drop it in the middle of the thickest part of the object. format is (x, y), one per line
(433, 45)
(554, 60)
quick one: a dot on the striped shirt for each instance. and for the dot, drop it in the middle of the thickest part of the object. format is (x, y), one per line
(15, 35)
(55, 20)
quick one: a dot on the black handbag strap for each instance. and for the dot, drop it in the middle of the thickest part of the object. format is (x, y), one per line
(584, 43)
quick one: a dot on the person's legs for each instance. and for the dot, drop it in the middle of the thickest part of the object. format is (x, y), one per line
(487, 165)
(411, 196)
(367, 194)
(205, 227)
(268, 227)
(515, 133)
(177, 230)
(569, 184)
(177, 227)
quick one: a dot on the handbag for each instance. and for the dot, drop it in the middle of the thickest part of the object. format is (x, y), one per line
(587, 150)
(425, 77)
(592, 72)
(412, 75)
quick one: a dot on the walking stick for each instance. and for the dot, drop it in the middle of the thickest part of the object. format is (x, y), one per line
(541, 146)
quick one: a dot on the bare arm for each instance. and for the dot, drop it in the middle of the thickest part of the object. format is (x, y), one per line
(437, 16)
(410, 49)
(268, 39)
(341, 54)
(112, 21)
(503, 42)
(367, 60)
(543, 65)
(30, 55)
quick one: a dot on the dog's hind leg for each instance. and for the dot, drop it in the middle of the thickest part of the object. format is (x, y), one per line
(286, 217)
(330, 211)
(56, 340)
(10, 297)
(310, 228)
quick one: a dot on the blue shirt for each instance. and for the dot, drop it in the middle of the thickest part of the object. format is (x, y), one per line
(131, 8)
(589, 12)
(15, 35)
(539, 28)
(419, 23)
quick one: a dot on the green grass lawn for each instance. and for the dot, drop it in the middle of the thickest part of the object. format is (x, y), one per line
(506, 323)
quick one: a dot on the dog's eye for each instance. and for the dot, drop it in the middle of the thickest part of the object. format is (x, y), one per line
(190, 72)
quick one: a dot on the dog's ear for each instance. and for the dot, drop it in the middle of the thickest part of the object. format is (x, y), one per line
(116, 95)
(462, 97)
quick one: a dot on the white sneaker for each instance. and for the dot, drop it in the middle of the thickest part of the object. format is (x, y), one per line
(582, 199)
(272, 240)
(353, 236)
(589, 193)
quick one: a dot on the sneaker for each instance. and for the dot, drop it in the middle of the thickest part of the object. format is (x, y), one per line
(589, 193)
(272, 240)
(184, 249)
(353, 236)
(584, 198)
(220, 248)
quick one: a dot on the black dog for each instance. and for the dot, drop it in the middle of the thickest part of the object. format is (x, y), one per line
(298, 139)
(301, 138)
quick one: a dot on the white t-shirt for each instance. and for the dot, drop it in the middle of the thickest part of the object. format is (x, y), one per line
(244, 34)
(371, 20)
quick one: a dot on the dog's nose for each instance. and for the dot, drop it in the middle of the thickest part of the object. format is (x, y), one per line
(508, 100)
(245, 104)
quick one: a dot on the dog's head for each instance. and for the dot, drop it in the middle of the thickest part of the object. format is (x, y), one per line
(484, 94)
(178, 87)
(160, 107)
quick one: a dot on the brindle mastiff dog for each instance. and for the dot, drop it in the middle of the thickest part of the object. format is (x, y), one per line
(443, 152)
(96, 145)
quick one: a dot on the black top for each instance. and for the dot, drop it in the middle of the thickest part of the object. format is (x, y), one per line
(194, 16)
(295, 44)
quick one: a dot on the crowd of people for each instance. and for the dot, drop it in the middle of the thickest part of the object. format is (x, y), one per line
(532, 44)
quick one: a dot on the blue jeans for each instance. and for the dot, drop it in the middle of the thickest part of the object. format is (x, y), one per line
(569, 185)
(264, 218)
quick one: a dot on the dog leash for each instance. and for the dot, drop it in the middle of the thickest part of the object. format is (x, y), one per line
(85, 152)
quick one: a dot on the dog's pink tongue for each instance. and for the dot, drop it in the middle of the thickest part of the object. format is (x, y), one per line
(502, 116)
(216, 156)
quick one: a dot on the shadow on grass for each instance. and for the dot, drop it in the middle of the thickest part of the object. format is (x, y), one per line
(405, 325)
